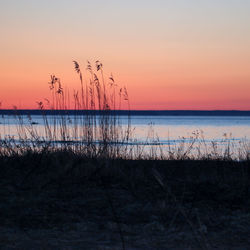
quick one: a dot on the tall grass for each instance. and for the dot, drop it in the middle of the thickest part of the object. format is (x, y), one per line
(96, 132)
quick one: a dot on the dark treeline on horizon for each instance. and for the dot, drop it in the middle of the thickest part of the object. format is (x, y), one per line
(127, 112)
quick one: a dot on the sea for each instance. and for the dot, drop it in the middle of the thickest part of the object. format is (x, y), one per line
(198, 132)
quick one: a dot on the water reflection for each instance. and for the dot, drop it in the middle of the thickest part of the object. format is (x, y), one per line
(164, 127)
(204, 133)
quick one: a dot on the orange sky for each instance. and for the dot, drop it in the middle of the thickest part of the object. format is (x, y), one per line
(169, 55)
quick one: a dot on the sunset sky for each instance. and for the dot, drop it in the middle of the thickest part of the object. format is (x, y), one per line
(178, 54)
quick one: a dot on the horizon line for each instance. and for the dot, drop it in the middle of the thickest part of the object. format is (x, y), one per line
(125, 112)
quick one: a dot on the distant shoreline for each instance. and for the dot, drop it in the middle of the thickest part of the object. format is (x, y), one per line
(127, 112)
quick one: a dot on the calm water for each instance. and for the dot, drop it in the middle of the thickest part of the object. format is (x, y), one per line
(164, 127)
(166, 130)
(211, 127)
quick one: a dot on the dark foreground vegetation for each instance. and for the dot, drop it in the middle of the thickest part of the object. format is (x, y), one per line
(63, 200)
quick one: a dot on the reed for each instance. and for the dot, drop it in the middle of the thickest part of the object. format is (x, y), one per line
(96, 132)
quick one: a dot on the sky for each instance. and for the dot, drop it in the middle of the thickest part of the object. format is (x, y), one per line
(179, 54)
